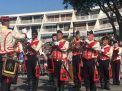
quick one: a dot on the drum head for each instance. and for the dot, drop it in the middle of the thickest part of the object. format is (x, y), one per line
(9, 68)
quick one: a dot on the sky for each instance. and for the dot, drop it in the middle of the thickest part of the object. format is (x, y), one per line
(29, 6)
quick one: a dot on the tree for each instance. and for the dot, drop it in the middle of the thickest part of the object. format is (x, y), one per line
(109, 7)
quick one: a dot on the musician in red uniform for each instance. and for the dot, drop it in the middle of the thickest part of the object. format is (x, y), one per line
(7, 52)
(76, 59)
(34, 48)
(116, 57)
(59, 58)
(104, 63)
(50, 61)
(89, 56)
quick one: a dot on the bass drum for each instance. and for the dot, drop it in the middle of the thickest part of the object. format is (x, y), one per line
(10, 68)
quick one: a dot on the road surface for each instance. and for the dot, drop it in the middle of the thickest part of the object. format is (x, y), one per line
(45, 86)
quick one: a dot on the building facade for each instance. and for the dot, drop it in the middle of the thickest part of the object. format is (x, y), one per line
(47, 23)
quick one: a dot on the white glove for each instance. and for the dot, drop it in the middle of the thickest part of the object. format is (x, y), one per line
(24, 31)
(102, 50)
(56, 43)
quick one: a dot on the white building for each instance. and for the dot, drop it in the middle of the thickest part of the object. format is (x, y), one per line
(47, 23)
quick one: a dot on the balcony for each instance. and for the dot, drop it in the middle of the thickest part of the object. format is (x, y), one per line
(95, 16)
(87, 17)
(12, 22)
(37, 21)
(53, 19)
(90, 27)
(82, 17)
(80, 28)
(50, 30)
(26, 21)
(104, 26)
(66, 17)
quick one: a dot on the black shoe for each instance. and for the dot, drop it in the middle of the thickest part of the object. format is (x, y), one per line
(87, 89)
(0, 86)
(114, 83)
(102, 83)
(56, 89)
(102, 86)
(78, 89)
(30, 85)
(118, 83)
(61, 88)
(107, 88)
(93, 88)
(35, 84)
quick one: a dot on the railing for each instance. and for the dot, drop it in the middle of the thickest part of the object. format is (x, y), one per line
(37, 20)
(50, 30)
(53, 20)
(103, 26)
(26, 21)
(80, 28)
(82, 17)
(12, 22)
(93, 16)
(66, 18)
(87, 17)
(90, 27)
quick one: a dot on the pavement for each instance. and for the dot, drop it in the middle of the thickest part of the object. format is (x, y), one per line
(44, 85)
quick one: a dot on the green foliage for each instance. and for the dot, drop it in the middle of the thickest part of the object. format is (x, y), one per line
(85, 6)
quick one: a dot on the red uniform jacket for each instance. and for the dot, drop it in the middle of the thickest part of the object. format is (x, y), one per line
(116, 54)
(61, 52)
(106, 53)
(77, 47)
(91, 50)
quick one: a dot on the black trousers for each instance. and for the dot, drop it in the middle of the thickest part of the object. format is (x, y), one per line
(88, 71)
(32, 80)
(104, 72)
(75, 63)
(115, 71)
(1, 66)
(50, 67)
(58, 83)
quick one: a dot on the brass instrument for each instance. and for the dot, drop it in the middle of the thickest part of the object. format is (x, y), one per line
(76, 47)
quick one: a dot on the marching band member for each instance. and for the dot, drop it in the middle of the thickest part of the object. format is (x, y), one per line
(89, 56)
(50, 61)
(7, 42)
(116, 58)
(19, 53)
(76, 59)
(60, 57)
(35, 47)
(104, 63)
